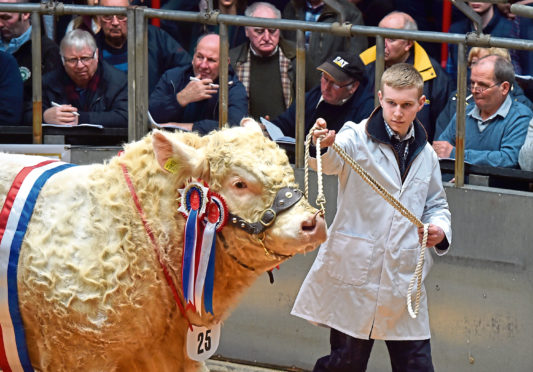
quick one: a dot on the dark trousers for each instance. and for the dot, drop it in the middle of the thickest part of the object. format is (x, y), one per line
(350, 354)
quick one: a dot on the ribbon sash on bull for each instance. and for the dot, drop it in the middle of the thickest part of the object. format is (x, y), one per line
(14, 218)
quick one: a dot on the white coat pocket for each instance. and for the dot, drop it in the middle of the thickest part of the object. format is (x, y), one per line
(348, 258)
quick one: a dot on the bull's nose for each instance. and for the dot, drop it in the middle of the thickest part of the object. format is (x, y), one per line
(315, 226)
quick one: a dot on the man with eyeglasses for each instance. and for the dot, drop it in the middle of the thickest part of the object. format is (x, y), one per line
(266, 65)
(16, 40)
(496, 127)
(340, 97)
(163, 51)
(86, 90)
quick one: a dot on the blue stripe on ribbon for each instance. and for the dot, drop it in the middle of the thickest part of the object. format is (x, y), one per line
(189, 245)
(13, 264)
(210, 278)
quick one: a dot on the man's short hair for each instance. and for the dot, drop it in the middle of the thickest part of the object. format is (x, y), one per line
(503, 69)
(77, 39)
(249, 11)
(402, 76)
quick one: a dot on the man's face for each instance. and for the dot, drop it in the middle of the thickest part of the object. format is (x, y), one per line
(205, 60)
(480, 8)
(80, 64)
(400, 107)
(264, 40)
(396, 50)
(115, 28)
(336, 92)
(488, 93)
(12, 25)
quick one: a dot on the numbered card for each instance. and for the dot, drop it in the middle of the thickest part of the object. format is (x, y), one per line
(202, 342)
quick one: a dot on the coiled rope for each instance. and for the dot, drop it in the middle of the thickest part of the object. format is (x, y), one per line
(376, 186)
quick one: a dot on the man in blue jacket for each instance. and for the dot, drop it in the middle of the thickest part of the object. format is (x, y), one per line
(187, 97)
(10, 91)
(496, 127)
(340, 97)
(163, 51)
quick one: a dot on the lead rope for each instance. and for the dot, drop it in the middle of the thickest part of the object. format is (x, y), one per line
(417, 276)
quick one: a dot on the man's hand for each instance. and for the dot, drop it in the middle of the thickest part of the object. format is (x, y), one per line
(327, 137)
(196, 91)
(63, 114)
(435, 235)
(442, 148)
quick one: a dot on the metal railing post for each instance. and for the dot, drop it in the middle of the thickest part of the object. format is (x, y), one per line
(380, 66)
(141, 73)
(300, 100)
(36, 63)
(223, 76)
(460, 116)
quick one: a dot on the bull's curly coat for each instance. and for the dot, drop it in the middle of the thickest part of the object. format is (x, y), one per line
(91, 291)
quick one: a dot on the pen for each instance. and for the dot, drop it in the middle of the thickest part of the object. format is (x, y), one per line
(192, 78)
(58, 105)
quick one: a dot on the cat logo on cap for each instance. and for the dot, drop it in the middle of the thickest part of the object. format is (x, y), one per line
(339, 61)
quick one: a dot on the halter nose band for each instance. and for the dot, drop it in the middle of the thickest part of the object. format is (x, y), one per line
(285, 198)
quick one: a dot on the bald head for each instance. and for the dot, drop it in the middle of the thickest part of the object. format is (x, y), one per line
(206, 57)
(397, 50)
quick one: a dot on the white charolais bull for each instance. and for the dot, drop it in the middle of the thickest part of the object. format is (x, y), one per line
(92, 292)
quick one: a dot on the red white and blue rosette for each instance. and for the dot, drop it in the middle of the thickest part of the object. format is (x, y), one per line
(214, 220)
(193, 206)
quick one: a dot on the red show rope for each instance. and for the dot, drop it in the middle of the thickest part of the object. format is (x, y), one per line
(154, 243)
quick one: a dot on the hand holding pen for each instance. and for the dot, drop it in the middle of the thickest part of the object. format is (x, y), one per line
(61, 114)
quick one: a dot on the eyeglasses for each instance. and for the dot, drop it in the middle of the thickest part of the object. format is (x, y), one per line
(74, 61)
(109, 18)
(480, 88)
(333, 84)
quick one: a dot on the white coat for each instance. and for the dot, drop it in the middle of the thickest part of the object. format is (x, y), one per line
(359, 279)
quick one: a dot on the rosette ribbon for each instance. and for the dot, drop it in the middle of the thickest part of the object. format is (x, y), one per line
(193, 206)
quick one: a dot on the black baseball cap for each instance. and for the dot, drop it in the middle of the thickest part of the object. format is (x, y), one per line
(343, 66)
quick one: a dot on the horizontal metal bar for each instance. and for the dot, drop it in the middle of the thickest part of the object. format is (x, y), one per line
(284, 24)
(522, 10)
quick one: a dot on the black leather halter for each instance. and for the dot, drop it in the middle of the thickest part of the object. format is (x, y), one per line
(285, 198)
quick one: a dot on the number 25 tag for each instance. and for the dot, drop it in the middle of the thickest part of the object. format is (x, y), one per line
(202, 342)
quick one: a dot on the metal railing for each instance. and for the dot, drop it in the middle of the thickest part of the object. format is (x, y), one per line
(138, 51)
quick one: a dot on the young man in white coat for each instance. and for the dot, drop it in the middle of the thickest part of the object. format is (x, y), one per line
(358, 283)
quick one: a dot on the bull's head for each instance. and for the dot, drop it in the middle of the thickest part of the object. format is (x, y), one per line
(255, 178)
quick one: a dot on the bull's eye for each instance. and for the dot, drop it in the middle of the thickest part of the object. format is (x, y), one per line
(240, 185)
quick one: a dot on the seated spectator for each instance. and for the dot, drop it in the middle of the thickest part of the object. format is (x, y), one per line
(340, 97)
(474, 55)
(188, 96)
(163, 51)
(493, 23)
(496, 126)
(266, 65)
(322, 45)
(525, 157)
(85, 22)
(16, 40)
(86, 89)
(437, 85)
(10, 91)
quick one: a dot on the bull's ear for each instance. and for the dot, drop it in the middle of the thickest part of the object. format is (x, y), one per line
(175, 156)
